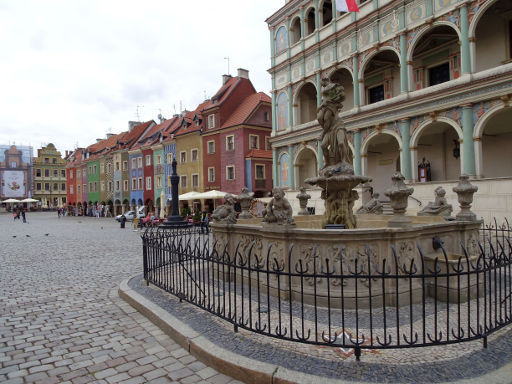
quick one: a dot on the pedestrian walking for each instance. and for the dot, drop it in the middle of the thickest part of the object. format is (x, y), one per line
(205, 222)
(58, 213)
(23, 215)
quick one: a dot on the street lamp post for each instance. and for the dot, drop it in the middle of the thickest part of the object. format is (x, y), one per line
(174, 219)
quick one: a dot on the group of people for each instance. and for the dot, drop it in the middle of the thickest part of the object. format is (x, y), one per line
(19, 213)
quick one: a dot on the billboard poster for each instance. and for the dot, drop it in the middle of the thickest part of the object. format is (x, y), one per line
(13, 183)
(26, 152)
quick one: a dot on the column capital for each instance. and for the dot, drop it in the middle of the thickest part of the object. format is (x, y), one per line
(404, 120)
(467, 105)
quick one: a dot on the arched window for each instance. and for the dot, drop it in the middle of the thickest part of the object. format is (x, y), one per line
(307, 104)
(295, 31)
(326, 12)
(310, 21)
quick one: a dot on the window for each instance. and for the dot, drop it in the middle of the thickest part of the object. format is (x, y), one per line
(183, 181)
(211, 121)
(55, 187)
(139, 162)
(78, 173)
(148, 182)
(211, 146)
(134, 163)
(260, 172)
(13, 164)
(38, 173)
(134, 184)
(71, 189)
(230, 143)
(70, 173)
(195, 180)
(95, 170)
(211, 175)
(102, 168)
(38, 186)
(78, 189)
(54, 160)
(110, 186)
(376, 94)
(148, 160)
(125, 165)
(158, 160)
(169, 181)
(102, 186)
(230, 172)
(46, 160)
(158, 181)
(254, 142)
(193, 154)
(55, 173)
(141, 186)
(183, 157)
(63, 187)
(439, 74)
(46, 173)
(63, 173)
(109, 168)
(118, 185)
(268, 146)
(266, 116)
(46, 186)
(85, 188)
(169, 158)
(117, 166)
(63, 200)
(125, 186)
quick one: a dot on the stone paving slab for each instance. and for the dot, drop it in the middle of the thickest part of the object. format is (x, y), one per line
(243, 353)
(61, 318)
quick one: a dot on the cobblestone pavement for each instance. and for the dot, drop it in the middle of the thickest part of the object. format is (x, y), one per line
(61, 319)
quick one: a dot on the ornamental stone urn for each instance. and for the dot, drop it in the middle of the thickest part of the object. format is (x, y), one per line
(303, 197)
(465, 191)
(245, 199)
(399, 195)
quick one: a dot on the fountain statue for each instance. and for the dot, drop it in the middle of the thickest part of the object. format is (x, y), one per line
(336, 178)
(278, 210)
(373, 206)
(439, 207)
(225, 213)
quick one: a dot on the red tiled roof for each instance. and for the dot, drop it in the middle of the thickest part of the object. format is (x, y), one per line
(245, 109)
(259, 153)
(191, 125)
(134, 134)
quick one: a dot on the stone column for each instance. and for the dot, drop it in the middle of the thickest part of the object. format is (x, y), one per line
(274, 125)
(357, 153)
(355, 72)
(302, 28)
(274, 167)
(291, 170)
(468, 149)
(405, 158)
(320, 155)
(290, 106)
(272, 48)
(465, 58)
(404, 73)
(318, 89)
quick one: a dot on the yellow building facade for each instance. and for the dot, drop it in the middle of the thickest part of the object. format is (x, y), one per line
(50, 177)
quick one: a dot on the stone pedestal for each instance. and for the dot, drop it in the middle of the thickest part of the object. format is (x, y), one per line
(245, 200)
(339, 196)
(399, 195)
(465, 191)
(303, 198)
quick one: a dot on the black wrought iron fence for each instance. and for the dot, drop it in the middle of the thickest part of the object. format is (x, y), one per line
(343, 301)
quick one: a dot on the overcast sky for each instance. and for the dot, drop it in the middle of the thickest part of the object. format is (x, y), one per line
(73, 70)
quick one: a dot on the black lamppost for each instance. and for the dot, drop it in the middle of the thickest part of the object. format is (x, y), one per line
(174, 219)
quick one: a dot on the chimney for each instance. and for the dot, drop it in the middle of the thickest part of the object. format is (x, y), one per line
(109, 135)
(243, 73)
(225, 79)
(98, 140)
(132, 124)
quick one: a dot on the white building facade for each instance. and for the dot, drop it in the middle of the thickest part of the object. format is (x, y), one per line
(426, 82)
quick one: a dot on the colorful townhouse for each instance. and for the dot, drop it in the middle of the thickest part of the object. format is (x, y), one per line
(50, 179)
(74, 180)
(189, 152)
(236, 137)
(136, 164)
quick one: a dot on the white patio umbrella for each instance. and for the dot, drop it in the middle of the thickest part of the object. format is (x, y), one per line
(213, 194)
(11, 200)
(29, 200)
(189, 196)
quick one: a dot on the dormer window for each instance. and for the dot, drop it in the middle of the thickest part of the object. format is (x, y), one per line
(211, 121)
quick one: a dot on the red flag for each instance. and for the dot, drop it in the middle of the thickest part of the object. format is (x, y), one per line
(346, 6)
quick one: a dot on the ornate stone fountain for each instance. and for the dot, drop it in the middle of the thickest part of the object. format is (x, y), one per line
(336, 178)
